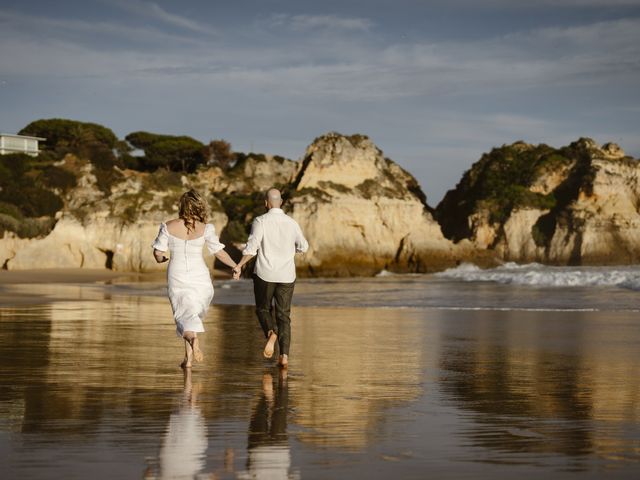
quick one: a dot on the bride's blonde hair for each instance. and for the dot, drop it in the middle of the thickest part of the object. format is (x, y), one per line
(192, 208)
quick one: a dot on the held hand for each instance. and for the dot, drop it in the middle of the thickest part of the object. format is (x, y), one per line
(237, 270)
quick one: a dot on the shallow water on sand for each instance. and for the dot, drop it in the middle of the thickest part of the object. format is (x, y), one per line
(90, 387)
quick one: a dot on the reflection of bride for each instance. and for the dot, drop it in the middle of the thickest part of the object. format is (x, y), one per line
(269, 454)
(184, 445)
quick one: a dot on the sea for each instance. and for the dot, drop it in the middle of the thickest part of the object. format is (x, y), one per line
(520, 371)
(508, 287)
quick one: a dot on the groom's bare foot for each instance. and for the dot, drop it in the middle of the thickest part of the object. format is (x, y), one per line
(270, 346)
(283, 361)
(185, 363)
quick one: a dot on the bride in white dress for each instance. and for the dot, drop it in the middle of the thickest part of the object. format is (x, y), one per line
(188, 278)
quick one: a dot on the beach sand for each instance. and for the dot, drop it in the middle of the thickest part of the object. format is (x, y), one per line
(91, 387)
(68, 275)
(85, 275)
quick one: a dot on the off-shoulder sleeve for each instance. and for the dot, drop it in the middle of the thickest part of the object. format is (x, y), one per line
(161, 242)
(212, 240)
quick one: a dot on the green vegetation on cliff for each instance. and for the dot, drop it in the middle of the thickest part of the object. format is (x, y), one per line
(498, 183)
(30, 194)
(241, 209)
(34, 190)
(177, 153)
(219, 153)
(522, 176)
(579, 178)
(88, 141)
(70, 134)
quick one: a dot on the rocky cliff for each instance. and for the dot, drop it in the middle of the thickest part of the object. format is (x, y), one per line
(363, 213)
(574, 205)
(113, 229)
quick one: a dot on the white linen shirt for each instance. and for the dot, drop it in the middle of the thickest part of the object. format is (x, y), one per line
(275, 238)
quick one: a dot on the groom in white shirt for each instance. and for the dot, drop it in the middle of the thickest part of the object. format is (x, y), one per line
(275, 238)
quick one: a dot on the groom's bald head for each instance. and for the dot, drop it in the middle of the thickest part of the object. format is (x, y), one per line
(273, 198)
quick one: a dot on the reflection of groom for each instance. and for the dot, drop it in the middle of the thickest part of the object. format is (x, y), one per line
(269, 455)
(275, 238)
(269, 420)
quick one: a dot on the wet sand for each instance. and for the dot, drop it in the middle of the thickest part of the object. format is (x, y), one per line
(90, 387)
(69, 275)
(83, 275)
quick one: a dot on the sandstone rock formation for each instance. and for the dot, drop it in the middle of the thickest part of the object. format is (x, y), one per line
(257, 173)
(362, 213)
(98, 230)
(575, 205)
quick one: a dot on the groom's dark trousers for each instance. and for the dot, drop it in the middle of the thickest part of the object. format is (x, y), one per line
(267, 293)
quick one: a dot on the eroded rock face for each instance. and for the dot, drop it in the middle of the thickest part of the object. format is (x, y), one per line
(602, 225)
(516, 242)
(362, 213)
(115, 231)
(257, 172)
(573, 205)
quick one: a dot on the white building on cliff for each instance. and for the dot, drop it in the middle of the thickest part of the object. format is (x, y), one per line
(19, 144)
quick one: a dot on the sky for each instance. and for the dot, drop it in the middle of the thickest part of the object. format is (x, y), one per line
(434, 84)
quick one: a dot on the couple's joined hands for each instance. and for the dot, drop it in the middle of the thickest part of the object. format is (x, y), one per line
(237, 270)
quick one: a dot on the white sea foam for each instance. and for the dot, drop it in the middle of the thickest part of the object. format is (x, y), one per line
(385, 273)
(535, 274)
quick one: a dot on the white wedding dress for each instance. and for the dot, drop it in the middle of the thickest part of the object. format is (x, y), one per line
(189, 282)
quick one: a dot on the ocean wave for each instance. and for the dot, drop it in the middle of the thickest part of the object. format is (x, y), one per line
(385, 273)
(535, 274)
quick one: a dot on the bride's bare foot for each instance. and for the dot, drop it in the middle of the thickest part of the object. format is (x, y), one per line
(188, 354)
(269, 347)
(197, 353)
(283, 361)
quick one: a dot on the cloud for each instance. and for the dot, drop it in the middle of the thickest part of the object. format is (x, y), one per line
(602, 36)
(154, 11)
(36, 28)
(589, 55)
(304, 23)
(435, 105)
(336, 67)
(533, 4)
(590, 3)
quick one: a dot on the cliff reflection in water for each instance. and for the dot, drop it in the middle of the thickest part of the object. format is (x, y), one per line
(90, 376)
(552, 384)
(79, 368)
(356, 363)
